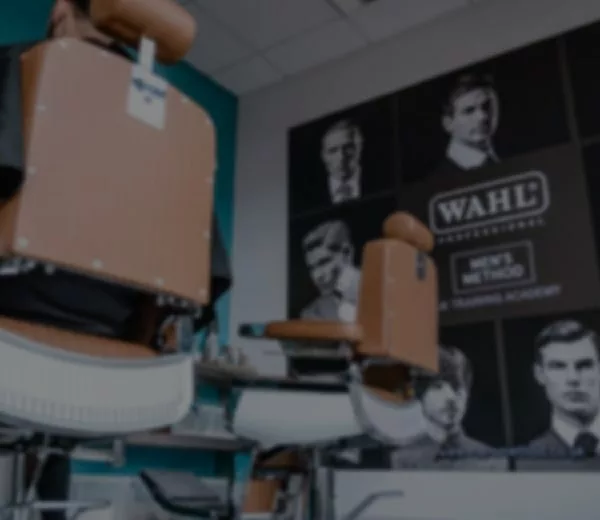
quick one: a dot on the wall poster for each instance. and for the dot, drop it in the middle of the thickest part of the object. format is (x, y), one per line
(501, 159)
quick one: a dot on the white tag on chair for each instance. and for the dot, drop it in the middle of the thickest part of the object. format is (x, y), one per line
(147, 99)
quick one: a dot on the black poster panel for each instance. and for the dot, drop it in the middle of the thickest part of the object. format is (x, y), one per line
(583, 59)
(483, 114)
(462, 410)
(591, 157)
(553, 364)
(325, 256)
(512, 239)
(324, 269)
(484, 419)
(343, 157)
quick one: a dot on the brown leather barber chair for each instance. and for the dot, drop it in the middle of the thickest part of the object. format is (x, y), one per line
(118, 189)
(276, 486)
(396, 329)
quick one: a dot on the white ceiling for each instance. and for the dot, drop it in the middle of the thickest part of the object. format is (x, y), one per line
(248, 44)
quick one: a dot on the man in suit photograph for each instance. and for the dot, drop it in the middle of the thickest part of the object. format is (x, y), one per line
(341, 154)
(470, 118)
(444, 400)
(567, 367)
(329, 257)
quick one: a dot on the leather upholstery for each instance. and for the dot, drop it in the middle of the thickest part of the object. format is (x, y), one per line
(397, 309)
(128, 202)
(406, 228)
(73, 342)
(261, 494)
(164, 21)
(299, 330)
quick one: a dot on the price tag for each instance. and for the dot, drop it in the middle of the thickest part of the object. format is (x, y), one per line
(147, 99)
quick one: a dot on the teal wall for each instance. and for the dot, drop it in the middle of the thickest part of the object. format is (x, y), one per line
(25, 20)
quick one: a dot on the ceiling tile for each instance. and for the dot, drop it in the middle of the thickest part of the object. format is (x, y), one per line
(215, 47)
(385, 18)
(263, 23)
(316, 47)
(249, 75)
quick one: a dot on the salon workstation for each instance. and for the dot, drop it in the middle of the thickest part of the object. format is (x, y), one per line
(299, 260)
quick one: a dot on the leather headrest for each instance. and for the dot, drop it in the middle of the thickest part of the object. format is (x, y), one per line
(164, 21)
(403, 226)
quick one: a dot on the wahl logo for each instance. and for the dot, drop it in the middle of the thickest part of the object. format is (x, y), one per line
(496, 202)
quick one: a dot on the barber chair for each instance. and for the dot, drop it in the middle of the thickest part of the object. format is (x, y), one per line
(118, 188)
(396, 329)
(275, 490)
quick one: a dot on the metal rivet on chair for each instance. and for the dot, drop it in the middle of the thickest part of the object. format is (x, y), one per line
(97, 264)
(159, 281)
(185, 100)
(22, 243)
(31, 170)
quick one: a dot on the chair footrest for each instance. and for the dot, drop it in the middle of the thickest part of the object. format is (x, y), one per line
(193, 499)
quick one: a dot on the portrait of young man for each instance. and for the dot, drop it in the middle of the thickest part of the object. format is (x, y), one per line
(567, 368)
(444, 399)
(470, 120)
(341, 154)
(329, 257)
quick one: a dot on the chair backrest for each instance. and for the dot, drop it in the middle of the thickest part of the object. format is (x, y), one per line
(398, 304)
(108, 193)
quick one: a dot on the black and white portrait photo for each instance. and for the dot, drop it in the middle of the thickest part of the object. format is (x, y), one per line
(461, 406)
(464, 427)
(342, 158)
(482, 114)
(324, 261)
(325, 254)
(341, 153)
(470, 119)
(444, 399)
(331, 264)
(554, 367)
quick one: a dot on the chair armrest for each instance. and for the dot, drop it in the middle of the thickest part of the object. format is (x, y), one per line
(309, 330)
(303, 331)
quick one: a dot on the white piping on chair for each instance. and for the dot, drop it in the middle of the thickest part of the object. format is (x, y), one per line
(61, 392)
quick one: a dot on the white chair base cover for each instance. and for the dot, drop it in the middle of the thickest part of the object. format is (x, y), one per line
(278, 417)
(64, 393)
